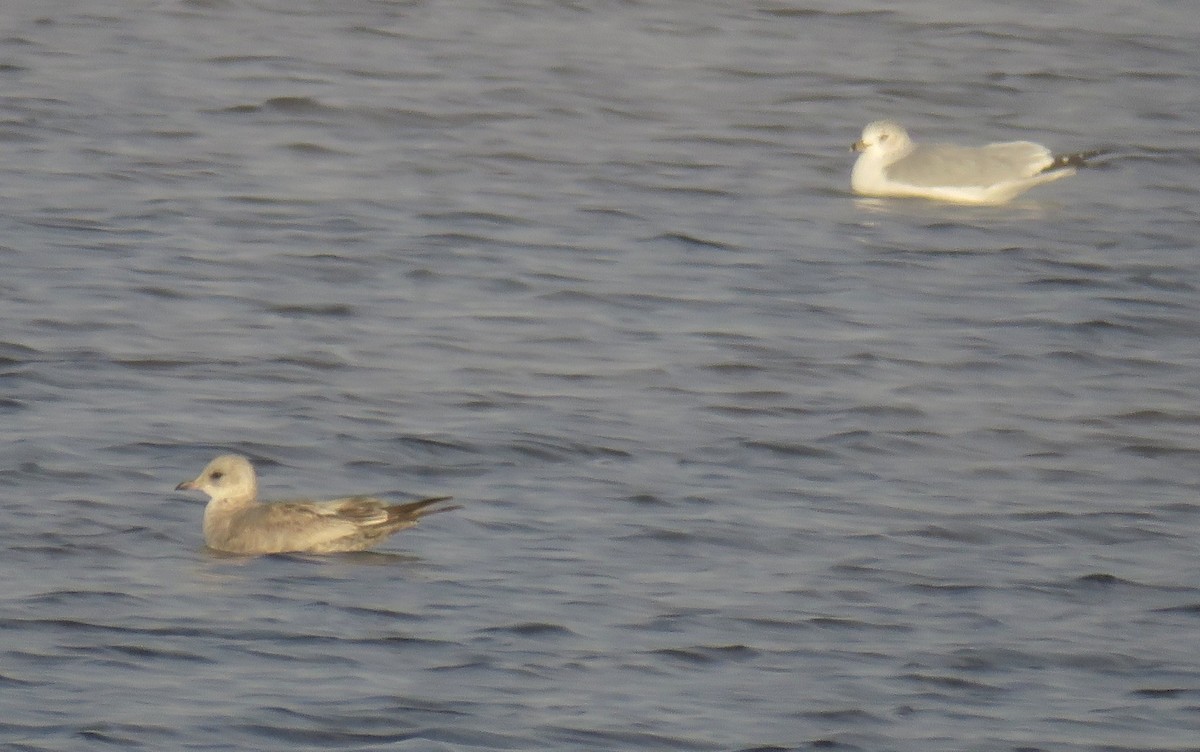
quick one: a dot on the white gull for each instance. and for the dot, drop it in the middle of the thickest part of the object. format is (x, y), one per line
(890, 164)
(235, 520)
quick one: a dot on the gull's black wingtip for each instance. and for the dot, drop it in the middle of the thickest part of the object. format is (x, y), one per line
(1078, 159)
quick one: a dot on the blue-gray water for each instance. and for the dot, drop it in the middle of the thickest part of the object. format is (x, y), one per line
(745, 463)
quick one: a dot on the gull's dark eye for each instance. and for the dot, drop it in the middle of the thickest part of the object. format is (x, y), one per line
(216, 475)
(883, 137)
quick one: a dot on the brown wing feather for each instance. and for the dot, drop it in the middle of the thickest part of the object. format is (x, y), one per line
(415, 510)
(361, 510)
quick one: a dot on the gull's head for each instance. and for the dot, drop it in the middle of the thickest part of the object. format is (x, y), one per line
(885, 138)
(228, 478)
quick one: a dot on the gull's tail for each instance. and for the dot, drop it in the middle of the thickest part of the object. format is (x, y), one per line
(1078, 159)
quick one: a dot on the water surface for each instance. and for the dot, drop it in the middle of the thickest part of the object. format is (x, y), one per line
(746, 463)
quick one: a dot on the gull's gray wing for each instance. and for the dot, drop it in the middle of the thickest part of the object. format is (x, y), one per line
(941, 165)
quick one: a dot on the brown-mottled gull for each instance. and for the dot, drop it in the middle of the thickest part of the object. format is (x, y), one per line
(235, 520)
(890, 164)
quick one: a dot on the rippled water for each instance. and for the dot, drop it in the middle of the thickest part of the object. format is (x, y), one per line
(746, 463)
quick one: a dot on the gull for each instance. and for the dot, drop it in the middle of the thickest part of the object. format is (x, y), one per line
(235, 521)
(890, 164)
